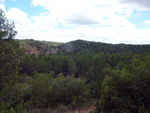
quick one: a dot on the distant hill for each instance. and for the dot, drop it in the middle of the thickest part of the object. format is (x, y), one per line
(31, 41)
(79, 46)
(52, 43)
(83, 46)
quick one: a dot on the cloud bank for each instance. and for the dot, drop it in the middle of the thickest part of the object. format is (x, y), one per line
(143, 3)
(66, 20)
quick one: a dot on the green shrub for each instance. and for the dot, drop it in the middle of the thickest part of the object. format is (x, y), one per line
(45, 91)
(5, 108)
(123, 92)
(65, 89)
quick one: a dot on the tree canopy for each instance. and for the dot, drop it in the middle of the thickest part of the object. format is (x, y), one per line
(9, 60)
(6, 28)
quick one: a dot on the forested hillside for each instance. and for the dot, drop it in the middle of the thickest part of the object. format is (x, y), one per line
(79, 46)
(98, 47)
(38, 77)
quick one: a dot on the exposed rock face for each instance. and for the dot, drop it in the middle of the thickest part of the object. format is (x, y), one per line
(46, 51)
(38, 48)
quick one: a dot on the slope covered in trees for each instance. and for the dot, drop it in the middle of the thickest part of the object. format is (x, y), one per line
(79, 46)
(98, 47)
(119, 81)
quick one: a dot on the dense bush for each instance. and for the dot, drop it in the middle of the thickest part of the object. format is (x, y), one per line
(127, 90)
(46, 91)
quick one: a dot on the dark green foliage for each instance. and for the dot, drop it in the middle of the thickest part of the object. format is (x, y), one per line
(10, 78)
(9, 57)
(79, 46)
(45, 91)
(127, 90)
(120, 80)
(5, 108)
(82, 46)
(65, 89)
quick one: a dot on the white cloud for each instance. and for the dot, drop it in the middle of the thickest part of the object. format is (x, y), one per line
(18, 16)
(82, 11)
(143, 3)
(118, 21)
(95, 20)
(147, 22)
(2, 7)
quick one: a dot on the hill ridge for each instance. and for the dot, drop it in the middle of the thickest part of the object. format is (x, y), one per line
(79, 46)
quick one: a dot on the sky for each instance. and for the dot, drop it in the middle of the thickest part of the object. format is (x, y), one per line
(109, 21)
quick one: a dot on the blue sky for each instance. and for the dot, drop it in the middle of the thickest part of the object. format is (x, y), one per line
(115, 21)
(25, 6)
